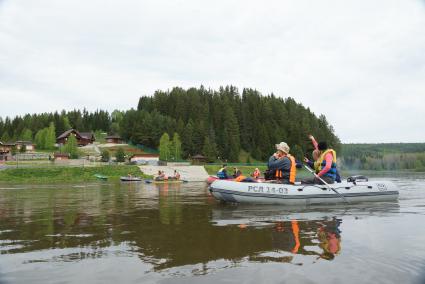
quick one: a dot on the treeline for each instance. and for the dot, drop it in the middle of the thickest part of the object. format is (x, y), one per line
(223, 122)
(26, 127)
(215, 123)
(384, 156)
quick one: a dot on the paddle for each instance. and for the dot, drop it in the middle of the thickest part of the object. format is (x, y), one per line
(331, 188)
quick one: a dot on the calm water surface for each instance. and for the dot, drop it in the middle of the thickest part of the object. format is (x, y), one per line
(139, 233)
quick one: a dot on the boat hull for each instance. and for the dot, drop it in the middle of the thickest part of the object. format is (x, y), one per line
(130, 179)
(274, 193)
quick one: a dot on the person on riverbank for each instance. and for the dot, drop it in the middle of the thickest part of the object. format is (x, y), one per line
(222, 173)
(281, 165)
(325, 164)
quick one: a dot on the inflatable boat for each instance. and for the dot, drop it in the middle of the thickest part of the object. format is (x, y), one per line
(350, 191)
(169, 181)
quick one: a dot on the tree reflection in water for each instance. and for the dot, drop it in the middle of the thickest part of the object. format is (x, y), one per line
(162, 225)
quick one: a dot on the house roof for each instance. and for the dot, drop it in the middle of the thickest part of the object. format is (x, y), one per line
(84, 135)
(199, 156)
(68, 132)
(87, 135)
(25, 142)
(113, 137)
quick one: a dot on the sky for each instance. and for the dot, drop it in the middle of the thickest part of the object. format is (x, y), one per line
(360, 63)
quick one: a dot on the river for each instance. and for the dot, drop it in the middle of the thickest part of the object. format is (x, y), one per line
(140, 233)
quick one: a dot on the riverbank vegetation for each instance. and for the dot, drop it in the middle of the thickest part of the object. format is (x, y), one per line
(388, 156)
(67, 174)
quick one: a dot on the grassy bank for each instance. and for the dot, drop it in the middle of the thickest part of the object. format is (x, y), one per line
(66, 174)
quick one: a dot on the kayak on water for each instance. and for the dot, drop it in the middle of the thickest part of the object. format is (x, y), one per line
(102, 177)
(128, 179)
(350, 191)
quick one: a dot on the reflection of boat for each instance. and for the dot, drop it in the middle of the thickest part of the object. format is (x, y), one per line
(129, 179)
(102, 177)
(303, 194)
(170, 181)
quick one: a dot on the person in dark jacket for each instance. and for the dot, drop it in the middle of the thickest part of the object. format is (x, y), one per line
(282, 165)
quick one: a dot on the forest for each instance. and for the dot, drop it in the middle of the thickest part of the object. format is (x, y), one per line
(383, 156)
(216, 123)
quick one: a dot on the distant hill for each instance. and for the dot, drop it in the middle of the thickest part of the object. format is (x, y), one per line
(383, 156)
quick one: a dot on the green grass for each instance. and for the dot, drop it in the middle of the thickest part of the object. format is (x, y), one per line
(67, 174)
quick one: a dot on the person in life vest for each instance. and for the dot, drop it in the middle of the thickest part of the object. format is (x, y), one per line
(176, 176)
(315, 164)
(283, 164)
(236, 172)
(256, 174)
(324, 166)
(222, 173)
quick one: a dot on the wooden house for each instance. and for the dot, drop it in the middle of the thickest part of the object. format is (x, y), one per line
(114, 139)
(83, 138)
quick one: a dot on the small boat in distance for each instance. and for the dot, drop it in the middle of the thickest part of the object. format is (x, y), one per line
(102, 177)
(130, 179)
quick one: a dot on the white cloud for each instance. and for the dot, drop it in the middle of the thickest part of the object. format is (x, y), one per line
(360, 63)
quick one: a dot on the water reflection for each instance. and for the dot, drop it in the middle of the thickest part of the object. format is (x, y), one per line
(164, 226)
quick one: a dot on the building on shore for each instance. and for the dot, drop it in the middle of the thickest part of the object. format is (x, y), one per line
(146, 159)
(114, 139)
(61, 156)
(83, 138)
(29, 146)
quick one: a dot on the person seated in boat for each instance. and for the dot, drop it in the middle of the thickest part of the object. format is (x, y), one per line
(236, 172)
(325, 166)
(256, 174)
(222, 173)
(161, 176)
(315, 164)
(176, 175)
(282, 165)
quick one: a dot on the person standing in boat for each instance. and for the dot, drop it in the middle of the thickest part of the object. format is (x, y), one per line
(325, 166)
(282, 165)
(222, 173)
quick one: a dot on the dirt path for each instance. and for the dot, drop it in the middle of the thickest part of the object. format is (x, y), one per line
(189, 173)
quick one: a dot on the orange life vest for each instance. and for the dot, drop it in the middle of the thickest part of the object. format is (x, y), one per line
(240, 178)
(292, 171)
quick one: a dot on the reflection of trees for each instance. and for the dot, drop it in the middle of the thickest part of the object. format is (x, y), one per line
(169, 204)
(171, 233)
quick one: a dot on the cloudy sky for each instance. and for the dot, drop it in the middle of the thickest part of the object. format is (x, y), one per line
(361, 63)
